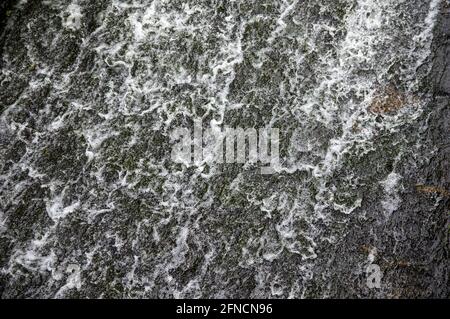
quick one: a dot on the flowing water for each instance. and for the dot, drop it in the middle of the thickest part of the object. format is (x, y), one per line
(91, 203)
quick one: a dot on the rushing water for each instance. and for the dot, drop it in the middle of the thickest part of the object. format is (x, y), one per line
(91, 203)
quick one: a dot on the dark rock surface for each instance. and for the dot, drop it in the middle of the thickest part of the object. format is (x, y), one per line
(91, 204)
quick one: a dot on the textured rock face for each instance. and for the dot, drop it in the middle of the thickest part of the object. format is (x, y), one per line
(92, 205)
(441, 73)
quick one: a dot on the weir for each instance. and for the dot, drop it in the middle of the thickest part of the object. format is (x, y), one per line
(93, 204)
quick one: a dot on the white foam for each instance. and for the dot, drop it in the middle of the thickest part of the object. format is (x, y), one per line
(56, 208)
(391, 202)
(72, 17)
